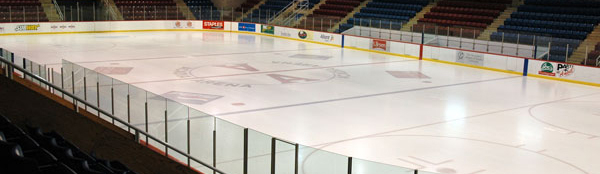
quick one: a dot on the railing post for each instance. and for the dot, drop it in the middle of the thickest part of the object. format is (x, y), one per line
(245, 171)
(349, 165)
(166, 127)
(273, 151)
(296, 157)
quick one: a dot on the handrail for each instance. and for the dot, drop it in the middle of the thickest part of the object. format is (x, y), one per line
(281, 11)
(12, 66)
(60, 13)
(110, 9)
(302, 6)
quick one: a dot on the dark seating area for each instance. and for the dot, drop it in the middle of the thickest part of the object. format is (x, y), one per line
(470, 15)
(266, 11)
(149, 10)
(329, 14)
(35, 152)
(69, 8)
(22, 11)
(593, 56)
(385, 14)
(203, 9)
(565, 23)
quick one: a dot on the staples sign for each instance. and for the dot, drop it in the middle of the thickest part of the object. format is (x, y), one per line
(379, 45)
(213, 25)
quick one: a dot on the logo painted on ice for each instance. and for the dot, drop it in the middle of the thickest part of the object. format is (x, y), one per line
(256, 77)
(547, 69)
(302, 34)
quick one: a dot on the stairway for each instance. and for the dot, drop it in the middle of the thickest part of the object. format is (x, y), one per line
(284, 14)
(580, 53)
(110, 5)
(418, 16)
(248, 11)
(295, 24)
(349, 15)
(485, 35)
(50, 10)
(185, 10)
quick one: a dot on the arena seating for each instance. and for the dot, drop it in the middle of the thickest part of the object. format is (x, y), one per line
(202, 9)
(592, 58)
(473, 16)
(267, 10)
(48, 153)
(22, 11)
(385, 14)
(69, 9)
(149, 9)
(561, 22)
(329, 14)
(247, 5)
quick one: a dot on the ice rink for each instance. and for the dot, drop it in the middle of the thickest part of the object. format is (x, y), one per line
(416, 114)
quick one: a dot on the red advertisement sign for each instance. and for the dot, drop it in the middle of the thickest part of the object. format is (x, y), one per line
(213, 25)
(380, 45)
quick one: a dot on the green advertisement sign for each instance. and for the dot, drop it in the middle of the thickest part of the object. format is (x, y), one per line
(269, 29)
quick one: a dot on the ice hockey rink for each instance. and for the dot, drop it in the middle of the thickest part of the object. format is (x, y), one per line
(417, 114)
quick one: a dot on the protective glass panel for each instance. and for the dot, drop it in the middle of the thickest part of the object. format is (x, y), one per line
(67, 79)
(368, 167)
(316, 161)
(137, 107)
(230, 147)
(201, 138)
(157, 106)
(121, 102)
(259, 152)
(285, 157)
(91, 89)
(177, 127)
(57, 81)
(105, 96)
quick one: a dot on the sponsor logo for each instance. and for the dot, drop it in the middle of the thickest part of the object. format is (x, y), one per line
(326, 38)
(27, 27)
(469, 58)
(213, 25)
(302, 34)
(246, 27)
(267, 29)
(380, 45)
(54, 27)
(563, 70)
(1, 29)
(259, 79)
(188, 24)
(286, 33)
(192, 98)
(547, 69)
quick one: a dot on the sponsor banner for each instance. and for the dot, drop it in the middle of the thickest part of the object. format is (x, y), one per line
(286, 32)
(184, 24)
(379, 45)
(268, 29)
(325, 37)
(246, 27)
(304, 34)
(1, 29)
(59, 27)
(470, 58)
(556, 69)
(27, 28)
(213, 25)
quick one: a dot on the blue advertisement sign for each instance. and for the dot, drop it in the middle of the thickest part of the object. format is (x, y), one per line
(246, 27)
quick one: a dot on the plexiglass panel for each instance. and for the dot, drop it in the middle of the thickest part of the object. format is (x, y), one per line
(230, 147)
(316, 161)
(201, 138)
(177, 127)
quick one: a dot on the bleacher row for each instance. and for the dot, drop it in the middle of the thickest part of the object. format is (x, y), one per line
(35, 152)
(385, 14)
(568, 24)
(22, 11)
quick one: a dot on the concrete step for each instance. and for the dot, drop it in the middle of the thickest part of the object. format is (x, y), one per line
(185, 10)
(349, 15)
(418, 16)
